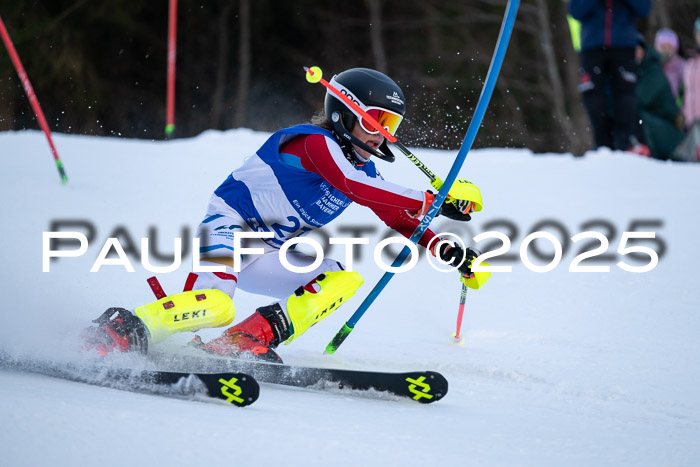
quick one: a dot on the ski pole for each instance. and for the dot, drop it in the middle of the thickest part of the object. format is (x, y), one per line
(460, 314)
(32, 98)
(472, 130)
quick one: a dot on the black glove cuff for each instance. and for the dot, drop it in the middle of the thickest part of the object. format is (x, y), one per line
(450, 211)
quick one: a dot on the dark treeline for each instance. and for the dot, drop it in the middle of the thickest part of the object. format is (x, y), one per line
(99, 67)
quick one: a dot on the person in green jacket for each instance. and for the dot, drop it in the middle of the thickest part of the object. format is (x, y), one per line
(661, 121)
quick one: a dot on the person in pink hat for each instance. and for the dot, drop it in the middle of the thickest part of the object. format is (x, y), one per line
(689, 149)
(666, 43)
(691, 101)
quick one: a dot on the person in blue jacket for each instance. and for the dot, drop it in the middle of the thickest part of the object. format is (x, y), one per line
(607, 75)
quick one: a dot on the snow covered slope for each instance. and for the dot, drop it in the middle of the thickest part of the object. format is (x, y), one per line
(558, 367)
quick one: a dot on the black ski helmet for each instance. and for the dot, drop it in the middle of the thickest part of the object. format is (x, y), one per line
(368, 88)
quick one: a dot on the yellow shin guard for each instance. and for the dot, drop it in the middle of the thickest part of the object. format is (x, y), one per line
(186, 311)
(306, 308)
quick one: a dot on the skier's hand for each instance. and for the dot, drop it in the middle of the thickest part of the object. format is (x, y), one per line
(452, 208)
(463, 260)
(457, 209)
(456, 256)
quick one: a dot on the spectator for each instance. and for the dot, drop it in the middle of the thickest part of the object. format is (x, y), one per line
(608, 40)
(661, 121)
(666, 43)
(691, 81)
(689, 150)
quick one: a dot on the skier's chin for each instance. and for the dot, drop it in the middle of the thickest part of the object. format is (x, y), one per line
(361, 152)
(364, 154)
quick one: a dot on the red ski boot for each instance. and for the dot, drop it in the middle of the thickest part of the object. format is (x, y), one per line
(117, 330)
(257, 336)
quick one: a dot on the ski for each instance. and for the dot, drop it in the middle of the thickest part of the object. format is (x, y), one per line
(421, 386)
(237, 388)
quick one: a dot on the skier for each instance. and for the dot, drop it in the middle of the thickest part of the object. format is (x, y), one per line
(299, 180)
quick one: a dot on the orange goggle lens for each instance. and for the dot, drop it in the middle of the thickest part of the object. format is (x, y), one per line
(387, 119)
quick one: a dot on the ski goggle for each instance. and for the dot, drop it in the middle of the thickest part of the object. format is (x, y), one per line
(386, 119)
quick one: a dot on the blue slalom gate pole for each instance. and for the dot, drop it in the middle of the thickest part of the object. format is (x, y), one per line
(479, 112)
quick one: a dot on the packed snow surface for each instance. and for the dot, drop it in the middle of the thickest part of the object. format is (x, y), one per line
(557, 367)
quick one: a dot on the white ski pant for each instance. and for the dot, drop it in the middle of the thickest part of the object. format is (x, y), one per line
(262, 274)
